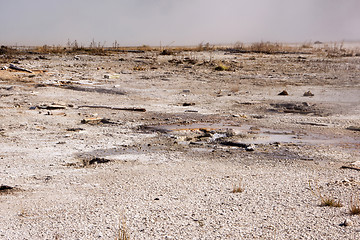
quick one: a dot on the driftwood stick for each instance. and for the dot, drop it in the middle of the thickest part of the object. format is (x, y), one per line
(115, 108)
(12, 66)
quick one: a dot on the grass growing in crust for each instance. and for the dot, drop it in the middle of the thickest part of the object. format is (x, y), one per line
(122, 231)
(325, 200)
(354, 206)
(238, 188)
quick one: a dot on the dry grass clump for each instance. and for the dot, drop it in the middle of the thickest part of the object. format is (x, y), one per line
(238, 188)
(266, 47)
(205, 47)
(7, 50)
(139, 68)
(330, 202)
(354, 206)
(122, 233)
(325, 200)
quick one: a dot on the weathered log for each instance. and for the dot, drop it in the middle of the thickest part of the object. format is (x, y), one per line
(12, 66)
(133, 109)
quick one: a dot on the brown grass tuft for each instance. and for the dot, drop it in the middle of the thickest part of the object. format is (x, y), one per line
(122, 231)
(330, 202)
(354, 206)
(238, 188)
(325, 200)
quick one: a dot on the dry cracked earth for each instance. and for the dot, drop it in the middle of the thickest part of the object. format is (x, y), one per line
(191, 145)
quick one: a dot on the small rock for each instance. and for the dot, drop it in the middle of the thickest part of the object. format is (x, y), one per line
(5, 187)
(106, 76)
(347, 222)
(250, 148)
(283, 93)
(308, 94)
(188, 104)
(186, 90)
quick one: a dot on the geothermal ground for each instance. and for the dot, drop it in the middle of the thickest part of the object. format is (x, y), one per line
(184, 145)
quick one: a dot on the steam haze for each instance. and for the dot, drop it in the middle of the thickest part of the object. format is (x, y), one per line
(180, 22)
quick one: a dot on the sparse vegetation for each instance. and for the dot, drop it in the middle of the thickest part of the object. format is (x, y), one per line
(221, 68)
(238, 188)
(122, 233)
(139, 68)
(325, 200)
(330, 202)
(97, 48)
(354, 206)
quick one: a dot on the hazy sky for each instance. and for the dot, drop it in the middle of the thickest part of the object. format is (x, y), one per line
(177, 22)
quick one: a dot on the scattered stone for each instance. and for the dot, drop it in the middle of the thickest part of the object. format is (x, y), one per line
(308, 94)
(188, 104)
(250, 148)
(95, 120)
(93, 161)
(156, 199)
(106, 76)
(283, 93)
(74, 129)
(5, 188)
(186, 90)
(347, 223)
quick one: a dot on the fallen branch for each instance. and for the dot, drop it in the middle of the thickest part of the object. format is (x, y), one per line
(12, 66)
(351, 167)
(115, 108)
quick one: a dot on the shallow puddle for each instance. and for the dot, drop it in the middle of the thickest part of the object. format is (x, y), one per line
(247, 134)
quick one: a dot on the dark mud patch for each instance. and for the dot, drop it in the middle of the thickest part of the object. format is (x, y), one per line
(297, 108)
(89, 162)
(5, 189)
(214, 133)
(243, 136)
(136, 149)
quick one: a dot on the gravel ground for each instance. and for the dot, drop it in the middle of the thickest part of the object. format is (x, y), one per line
(80, 166)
